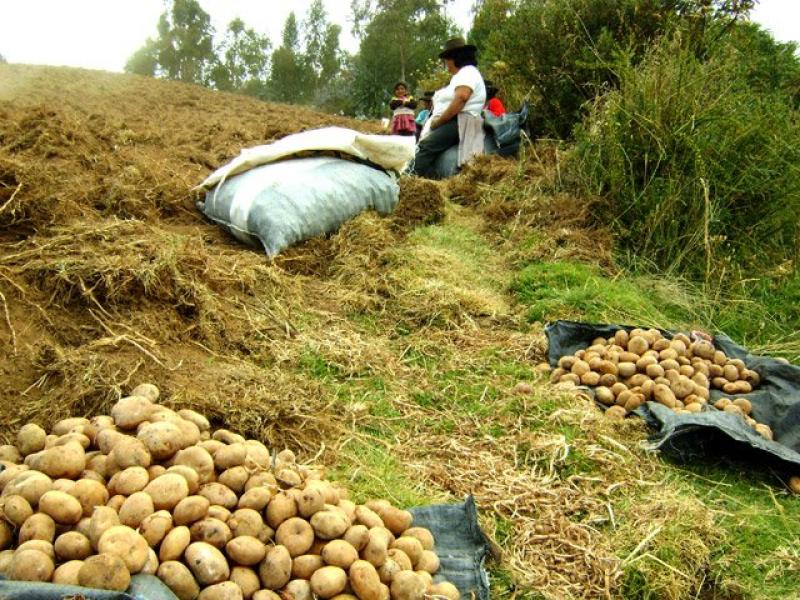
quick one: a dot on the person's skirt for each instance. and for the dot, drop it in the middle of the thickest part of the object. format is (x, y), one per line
(404, 123)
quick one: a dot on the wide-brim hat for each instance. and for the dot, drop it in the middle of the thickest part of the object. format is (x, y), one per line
(455, 46)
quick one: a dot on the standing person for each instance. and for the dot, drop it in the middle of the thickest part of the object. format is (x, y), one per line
(426, 103)
(402, 105)
(456, 117)
(494, 104)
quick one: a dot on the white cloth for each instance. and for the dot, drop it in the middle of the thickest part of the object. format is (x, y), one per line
(470, 77)
(470, 137)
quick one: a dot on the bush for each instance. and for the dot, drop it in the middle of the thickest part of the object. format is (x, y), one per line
(698, 170)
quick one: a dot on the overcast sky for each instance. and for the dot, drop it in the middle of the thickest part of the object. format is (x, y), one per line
(102, 34)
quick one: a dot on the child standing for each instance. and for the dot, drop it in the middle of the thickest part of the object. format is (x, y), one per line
(402, 105)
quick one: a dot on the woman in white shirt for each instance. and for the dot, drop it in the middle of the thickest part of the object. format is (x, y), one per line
(466, 93)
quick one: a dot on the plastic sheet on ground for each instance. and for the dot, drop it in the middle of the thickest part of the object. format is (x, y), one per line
(391, 152)
(776, 402)
(143, 587)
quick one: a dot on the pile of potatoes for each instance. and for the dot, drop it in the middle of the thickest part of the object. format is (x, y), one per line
(214, 516)
(630, 368)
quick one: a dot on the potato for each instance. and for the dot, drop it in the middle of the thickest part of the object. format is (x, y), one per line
(105, 572)
(31, 565)
(10, 453)
(196, 418)
(235, 478)
(245, 521)
(310, 501)
(62, 485)
(722, 403)
(247, 580)
(230, 456)
(198, 459)
(279, 509)
(329, 524)
(744, 404)
(189, 474)
(604, 395)
(407, 585)
(276, 568)
(89, 494)
(764, 431)
(339, 553)
(130, 452)
(191, 509)
(16, 509)
(296, 535)
(266, 595)
(207, 563)
(304, 566)
(190, 433)
(367, 516)
(365, 581)
(103, 518)
(67, 461)
(30, 439)
(162, 438)
(256, 498)
(219, 494)
(151, 566)
(429, 562)
(400, 558)
(177, 577)
(39, 545)
(227, 437)
(227, 590)
(388, 570)
(38, 526)
(174, 544)
(664, 395)
(167, 490)
(615, 413)
(445, 589)
(28, 484)
(219, 512)
(211, 531)
(136, 508)
(246, 550)
(126, 543)
(378, 545)
(328, 581)
(288, 478)
(116, 502)
(72, 546)
(299, 589)
(67, 574)
(411, 546)
(129, 481)
(147, 390)
(155, 527)
(5, 562)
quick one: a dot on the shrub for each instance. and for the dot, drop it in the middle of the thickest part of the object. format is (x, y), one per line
(698, 169)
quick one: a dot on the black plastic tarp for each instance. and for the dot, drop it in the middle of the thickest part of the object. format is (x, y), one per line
(776, 402)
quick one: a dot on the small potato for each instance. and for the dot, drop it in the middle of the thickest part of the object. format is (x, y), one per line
(178, 578)
(411, 546)
(764, 430)
(227, 590)
(89, 494)
(116, 502)
(207, 563)
(30, 439)
(304, 566)
(279, 509)
(16, 509)
(615, 413)
(126, 543)
(39, 545)
(38, 526)
(189, 474)
(198, 459)
(296, 535)
(129, 481)
(234, 478)
(365, 581)
(339, 553)
(329, 525)
(219, 512)
(29, 484)
(135, 509)
(245, 521)
(310, 501)
(162, 438)
(211, 531)
(328, 581)
(246, 550)
(219, 494)
(72, 546)
(130, 452)
(591, 378)
(255, 498)
(174, 544)
(147, 390)
(190, 510)
(445, 589)
(744, 404)
(423, 535)
(407, 585)
(31, 565)
(10, 453)
(167, 490)
(105, 572)
(103, 518)
(276, 568)
(155, 527)
(247, 580)
(67, 574)
(299, 589)
(580, 367)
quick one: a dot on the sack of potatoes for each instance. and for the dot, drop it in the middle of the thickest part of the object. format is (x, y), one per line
(215, 516)
(641, 365)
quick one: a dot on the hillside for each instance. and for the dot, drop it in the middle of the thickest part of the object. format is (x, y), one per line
(401, 352)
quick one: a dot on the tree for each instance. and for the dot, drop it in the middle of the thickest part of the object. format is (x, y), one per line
(291, 79)
(243, 59)
(401, 39)
(490, 15)
(184, 48)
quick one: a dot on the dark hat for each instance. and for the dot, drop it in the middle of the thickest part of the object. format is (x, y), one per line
(428, 94)
(455, 46)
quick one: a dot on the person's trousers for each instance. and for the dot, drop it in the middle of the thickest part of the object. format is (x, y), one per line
(429, 149)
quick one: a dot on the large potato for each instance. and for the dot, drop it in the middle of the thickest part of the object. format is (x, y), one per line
(423, 535)
(429, 562)
(177, 577)
(296, 535)
(247, 580)
(167, 490)
(67, 574)
(31, 438)
(276, 568)
(16, 509)
(67, 461)
(103, 518)
(207, 563)
(246, 521)
(227, 590)
(130, 452)
(246, 550)
(28, 484)
(155, 527)
(357, 536)
(328, 581)
(89, 494)
(31, 565)
(191, 509)
(411, 546)
(329, 524)
(211, 531)
(136, 508)
(129, 481)
(38, 526)
(230, 456)
(126, 543)
(378, 546)
(339, 553)
(129, 412)
(105, 572)
(365, 581)
(281, 507)
(219, 494)
(40, 545)
(256, 498)
(407, 585)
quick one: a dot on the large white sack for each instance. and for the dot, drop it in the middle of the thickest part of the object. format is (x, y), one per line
(282, 203)
(392, 152)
